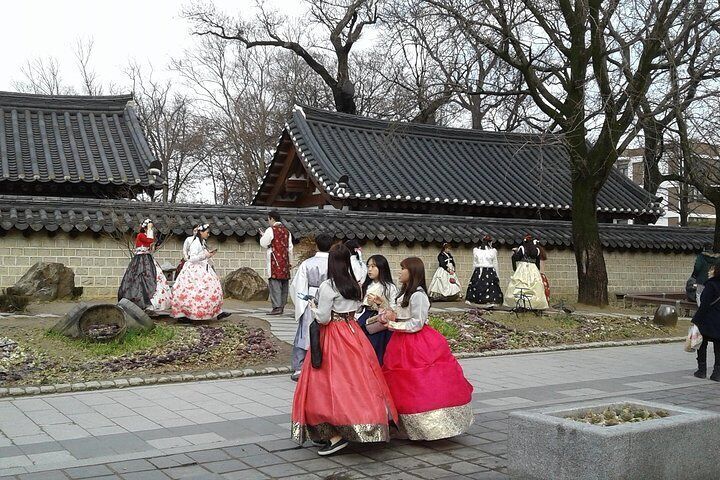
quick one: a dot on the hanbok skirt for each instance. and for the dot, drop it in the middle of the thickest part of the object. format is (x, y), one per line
(484, 287)
(432, 395)
(144, 284)
(546, 286)
(347, 396)
(197, 292)
(441, 286)
(378, 340)
(526, 288)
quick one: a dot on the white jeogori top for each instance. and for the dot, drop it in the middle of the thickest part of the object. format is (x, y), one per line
(485, 258)
(412, 318)
(330, 300)
(388, 294)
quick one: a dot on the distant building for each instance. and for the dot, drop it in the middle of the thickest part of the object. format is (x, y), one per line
(678, 199)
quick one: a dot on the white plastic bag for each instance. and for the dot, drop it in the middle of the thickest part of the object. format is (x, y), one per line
(693, 340)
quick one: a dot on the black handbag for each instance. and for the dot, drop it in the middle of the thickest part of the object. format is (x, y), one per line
(315, 349)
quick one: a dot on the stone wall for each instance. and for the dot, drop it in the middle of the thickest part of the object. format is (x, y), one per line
(99, 262)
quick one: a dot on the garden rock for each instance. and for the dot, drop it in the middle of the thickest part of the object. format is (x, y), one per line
(135, 317)
(46, 282)
(245, 284)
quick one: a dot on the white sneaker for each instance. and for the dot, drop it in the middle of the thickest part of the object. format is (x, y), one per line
(295, 376)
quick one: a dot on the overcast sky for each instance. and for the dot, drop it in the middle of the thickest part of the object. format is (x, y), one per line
(144, 30)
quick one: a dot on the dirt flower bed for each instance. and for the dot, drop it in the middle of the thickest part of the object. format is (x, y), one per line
(479, 331)
(618, 416)
(32, 356)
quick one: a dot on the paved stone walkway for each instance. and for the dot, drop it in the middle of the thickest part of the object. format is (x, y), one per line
(238, 429)
(284, 326)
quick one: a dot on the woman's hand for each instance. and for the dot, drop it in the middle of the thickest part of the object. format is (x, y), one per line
(389, 316)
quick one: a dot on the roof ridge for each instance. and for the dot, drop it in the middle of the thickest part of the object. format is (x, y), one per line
(68, 102)
(356, 121)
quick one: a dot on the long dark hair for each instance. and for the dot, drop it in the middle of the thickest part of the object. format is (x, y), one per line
(530, 246)
(416, 268)
(351, 245)
(339, 273)
(384, 274)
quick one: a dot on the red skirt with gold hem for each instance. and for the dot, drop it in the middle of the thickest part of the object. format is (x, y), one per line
(347, 396)
(428, 386)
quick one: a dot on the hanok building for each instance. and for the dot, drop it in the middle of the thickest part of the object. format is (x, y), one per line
(681, 202)
(72, 168)
(345, 161)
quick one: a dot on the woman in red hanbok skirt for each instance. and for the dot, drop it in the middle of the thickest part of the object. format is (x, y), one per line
(346, 399)
(427, 383)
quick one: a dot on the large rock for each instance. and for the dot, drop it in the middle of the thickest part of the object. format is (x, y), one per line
(245, 284)
(136, 317)
(46, 282)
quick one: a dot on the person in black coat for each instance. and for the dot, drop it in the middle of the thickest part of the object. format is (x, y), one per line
(707, 319)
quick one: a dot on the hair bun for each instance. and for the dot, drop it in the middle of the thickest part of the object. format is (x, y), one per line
(487, 238)
(527, 238)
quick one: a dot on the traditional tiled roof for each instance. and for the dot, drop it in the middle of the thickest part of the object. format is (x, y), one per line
(78, 215)
(358, 159)
(79, 140)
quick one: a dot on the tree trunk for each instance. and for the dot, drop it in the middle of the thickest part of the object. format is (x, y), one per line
(716, 237)
(592, 273)
(344, 97)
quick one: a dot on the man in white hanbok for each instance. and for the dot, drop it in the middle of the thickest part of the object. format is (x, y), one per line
(310, 274)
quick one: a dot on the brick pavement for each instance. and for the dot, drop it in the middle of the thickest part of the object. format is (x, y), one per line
(238, 428)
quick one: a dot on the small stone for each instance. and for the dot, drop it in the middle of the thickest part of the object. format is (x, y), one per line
(211, 375)
(136, 381)
(94, 385)
(16, 392)
(236, 373)
(78, 387)
(187, 377)
(32, 390)
(63, 387)
(224, 374)
(176, 378)
(202, 376)
(163, 380)
(107, 384)
(248, 372)
(121, 383)
(272, 370)
(4, 392)
(151, 380)
(47, 389)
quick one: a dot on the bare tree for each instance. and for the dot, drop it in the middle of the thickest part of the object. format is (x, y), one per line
(587, 65)
(172, 133)
(91, 85)
(238, 111)
(342, 20)
(42, 76)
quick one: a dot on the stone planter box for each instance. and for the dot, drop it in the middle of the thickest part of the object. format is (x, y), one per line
(545, 445)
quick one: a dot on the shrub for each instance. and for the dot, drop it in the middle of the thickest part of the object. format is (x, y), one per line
(447, 329)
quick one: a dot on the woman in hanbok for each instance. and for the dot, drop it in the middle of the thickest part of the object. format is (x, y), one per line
(444, 285)
(379, 294)
(346, 399)
(526, 290)
(359, 268)
(484, 287)
(144, 283)
(427, 383)
(197, 292)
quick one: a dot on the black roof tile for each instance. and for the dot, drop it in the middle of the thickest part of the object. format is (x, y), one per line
(73, 139)
(428, 164)
(77, 214)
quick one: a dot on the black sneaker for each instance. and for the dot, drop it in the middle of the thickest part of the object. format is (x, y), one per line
(715, 377)
(223, 315)
(331, 448)
(700, 374)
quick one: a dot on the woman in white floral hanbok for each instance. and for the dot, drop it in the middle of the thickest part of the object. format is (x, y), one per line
(197, 293)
